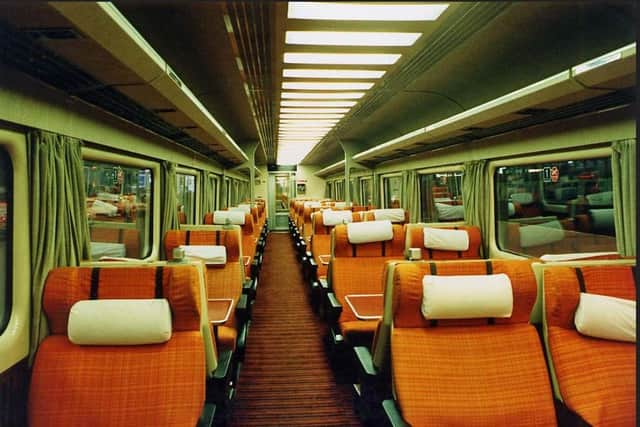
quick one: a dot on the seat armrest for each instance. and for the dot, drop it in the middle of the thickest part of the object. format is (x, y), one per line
(324, 284)
(207, 415)
(392, 417)
(365, 362)
(249, 287)
(243, 309)
(333, 308)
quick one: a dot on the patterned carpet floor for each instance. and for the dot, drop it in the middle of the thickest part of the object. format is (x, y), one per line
(286, 379)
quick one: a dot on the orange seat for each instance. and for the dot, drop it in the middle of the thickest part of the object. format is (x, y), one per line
(357, 269)
(415, 239)
(596, 378)
(153, 384)
(222, 281)
(471, 372)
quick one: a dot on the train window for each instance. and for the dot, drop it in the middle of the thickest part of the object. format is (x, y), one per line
(6, 175)
(392, 186)
(366, 191)
(555, 207)
(119, 205)
(441, 197)
(186, 193)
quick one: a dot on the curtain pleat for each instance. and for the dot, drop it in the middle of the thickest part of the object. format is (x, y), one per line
(475, 194)
(224, 190)
(623, 171)
(356, 197)
(59, 223)
(207, 194)
(168, 201)
(375, 186)
(410, 199)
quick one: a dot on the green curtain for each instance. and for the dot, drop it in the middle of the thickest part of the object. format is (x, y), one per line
(431, 214)
(233, 192)
(375, 187)
(356, 197)
(410, 200)
(327, 190)
(475, 196)
(623, 171)
(59, 223)
(224, 189)
(168, 201)
(208, 198)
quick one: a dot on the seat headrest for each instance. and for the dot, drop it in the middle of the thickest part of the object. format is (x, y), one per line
(342, 247)
(230, 239)
(229, 217)
(369, 232)
(179, 284)
(393, 215)
(416, 239)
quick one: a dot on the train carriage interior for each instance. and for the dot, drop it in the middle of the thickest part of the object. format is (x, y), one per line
(268, 213)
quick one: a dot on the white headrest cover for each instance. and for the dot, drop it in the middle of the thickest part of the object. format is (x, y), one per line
(604, 198)
(540, 234)
(234, 217)
(466, 297)
(119, 322)
(330, 217)
(393, 215)
(246, 208)
(101, 207)
(602, 218)
(606, 317)
(449, 212)
(214, 255)
(370, 231)
(341, 205)
(522, 198)
(446, 240)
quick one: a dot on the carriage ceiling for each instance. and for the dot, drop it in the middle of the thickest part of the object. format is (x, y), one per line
(217, 85)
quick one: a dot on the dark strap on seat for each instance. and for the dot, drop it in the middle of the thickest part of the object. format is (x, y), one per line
(384, 248)
(353, 250)
(95, 282)
(430, 253)
(159, 281)
(188, 238)
(579, 275)
(217, 237)
(433, 268)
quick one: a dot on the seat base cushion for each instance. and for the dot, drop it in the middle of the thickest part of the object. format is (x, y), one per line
(471, 376)
(597, 377)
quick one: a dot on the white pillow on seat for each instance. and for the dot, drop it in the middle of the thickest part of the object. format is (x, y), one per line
(233, 217)
(210, 254)
(602, 316)
(330, 217)
(466, 297)
(119, 322)
(369, 231)
(446, 239)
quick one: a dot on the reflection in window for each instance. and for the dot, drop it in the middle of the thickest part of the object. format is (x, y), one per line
(555, 207)
(392, 191)
(441, 195)
(6, 175)
(119, 206)
(186, 198)
(366, 192)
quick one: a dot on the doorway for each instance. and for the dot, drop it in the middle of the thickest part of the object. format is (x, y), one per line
(281, 190)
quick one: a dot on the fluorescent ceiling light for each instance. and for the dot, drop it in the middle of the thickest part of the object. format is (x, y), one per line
(314, 110)
(597, 62)
(317, 73)
(309, 124)
(287, 116)
(365, 12)
(304, 122)
(341, 58)
(322, 95)
(327, 85)
(317, 103)
(351, 38)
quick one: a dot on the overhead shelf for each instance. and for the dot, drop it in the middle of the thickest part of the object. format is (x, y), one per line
(610, 72)
(159, 85)
(331, 169)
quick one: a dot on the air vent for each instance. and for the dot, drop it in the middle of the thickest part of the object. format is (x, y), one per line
(532, 111)
(61, 33)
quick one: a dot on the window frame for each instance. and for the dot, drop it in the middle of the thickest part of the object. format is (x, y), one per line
(14, 340)
(196, 194)
(523, 159)
(97, 155)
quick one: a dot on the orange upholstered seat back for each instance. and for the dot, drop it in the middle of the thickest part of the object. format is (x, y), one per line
(392, 248)
(68, 285)
(596, 378)
(154, 384)
(415, 239)
(228, 238)
(407, 289)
